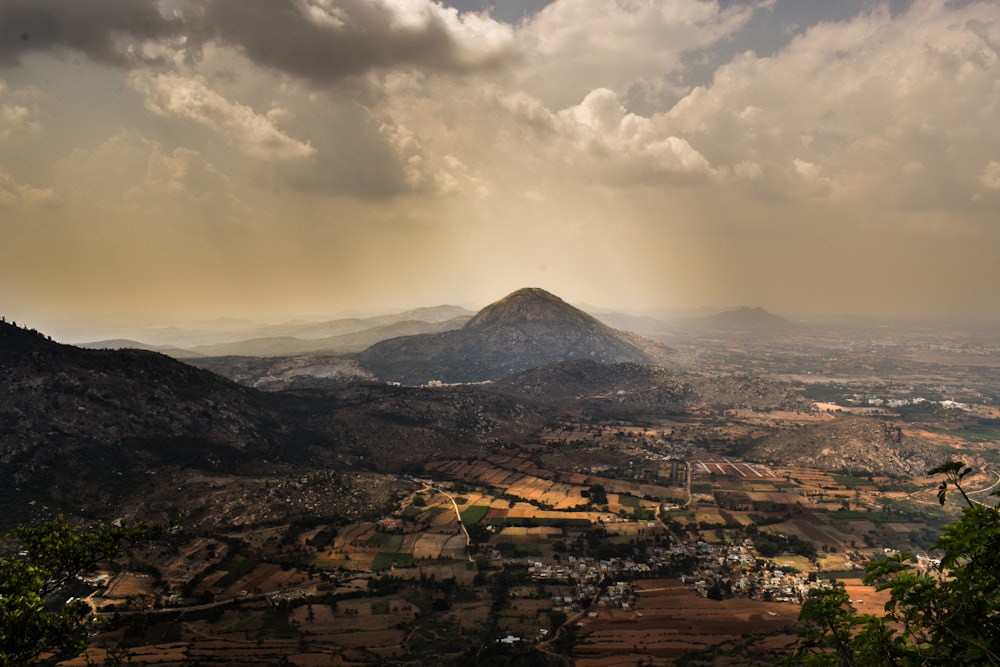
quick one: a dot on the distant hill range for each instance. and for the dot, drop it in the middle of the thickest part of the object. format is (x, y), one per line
(740, 320)
(339, 336)
(526, 329)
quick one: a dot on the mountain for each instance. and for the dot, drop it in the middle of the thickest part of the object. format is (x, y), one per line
(525, 329)
(744, 319)
(212, 338)
(355, 341)
(125, 343)
(641, 324)
(109, 433)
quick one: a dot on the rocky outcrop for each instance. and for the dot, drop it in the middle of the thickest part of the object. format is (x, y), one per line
(855, 445)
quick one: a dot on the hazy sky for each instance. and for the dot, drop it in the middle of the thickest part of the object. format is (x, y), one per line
(186, 159)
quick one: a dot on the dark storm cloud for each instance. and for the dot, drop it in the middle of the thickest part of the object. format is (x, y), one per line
(327, 42)
(95, 28)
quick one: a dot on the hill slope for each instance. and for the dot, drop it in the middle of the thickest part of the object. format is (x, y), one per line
(744, 320)
(526, 329)
(629, 390)
(855, 445)
(123, 431)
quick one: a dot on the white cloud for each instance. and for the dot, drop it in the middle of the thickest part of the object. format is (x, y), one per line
(599, 140)
(18, 111)
(131, 173)
(478, 37)
(575, 46)
(990, 176)
(190, 98)
(854, 105)
(443, 175)
(15, 195)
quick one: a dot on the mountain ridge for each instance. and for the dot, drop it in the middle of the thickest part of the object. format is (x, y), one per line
(112, 430)
(527, 328)
(743, 319)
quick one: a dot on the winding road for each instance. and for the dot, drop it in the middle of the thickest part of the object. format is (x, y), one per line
(458, 517)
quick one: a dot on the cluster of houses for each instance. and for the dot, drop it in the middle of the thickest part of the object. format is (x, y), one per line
(712, 569)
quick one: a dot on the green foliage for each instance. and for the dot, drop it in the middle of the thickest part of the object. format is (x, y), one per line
(948, 615)
(597, 494)
(52, 555)
(26, 629)
(771, 545)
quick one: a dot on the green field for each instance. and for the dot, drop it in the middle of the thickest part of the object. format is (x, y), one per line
(383, 540)
(389, 552)
(384, 559)
(474, 514)
(628, 501)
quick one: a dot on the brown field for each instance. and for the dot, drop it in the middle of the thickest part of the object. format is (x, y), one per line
(129, 583)
(431, 545)
(804, 528)
(527, 535)
(356, 533)
(866, 599)
(669, 620)
(265, 577)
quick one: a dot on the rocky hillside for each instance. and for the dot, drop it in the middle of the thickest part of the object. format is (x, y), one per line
(526, 329)
(641, 390)
(744, 391)
(854, 445)
(619, 390)
(103, 430)
(306, 371)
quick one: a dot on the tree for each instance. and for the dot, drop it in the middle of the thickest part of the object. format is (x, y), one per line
(52, 555)
(947, 615)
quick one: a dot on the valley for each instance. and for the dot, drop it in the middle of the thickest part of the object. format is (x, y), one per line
(628, 529)
(573, 512)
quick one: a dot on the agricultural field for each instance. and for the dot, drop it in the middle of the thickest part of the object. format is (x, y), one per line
(528, 550)
(670, 620)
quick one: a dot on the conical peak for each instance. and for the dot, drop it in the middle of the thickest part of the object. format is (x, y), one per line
(526, 304)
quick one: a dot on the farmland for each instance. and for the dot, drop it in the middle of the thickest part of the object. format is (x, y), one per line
(601, 539)
(510, 545)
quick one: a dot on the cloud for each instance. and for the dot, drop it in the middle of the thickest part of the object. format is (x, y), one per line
(597, 141)
(896, 109)
(98, 29)
(626, 148)
(636, 47)
(14, 195)
(990, 176)
(325, 41)
(18, 112)
(131, 174)
(190, 98)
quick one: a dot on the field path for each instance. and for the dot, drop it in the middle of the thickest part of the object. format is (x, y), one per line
(548, 646)
(458, 517)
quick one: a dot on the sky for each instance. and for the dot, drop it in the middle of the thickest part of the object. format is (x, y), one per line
(168, 161)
